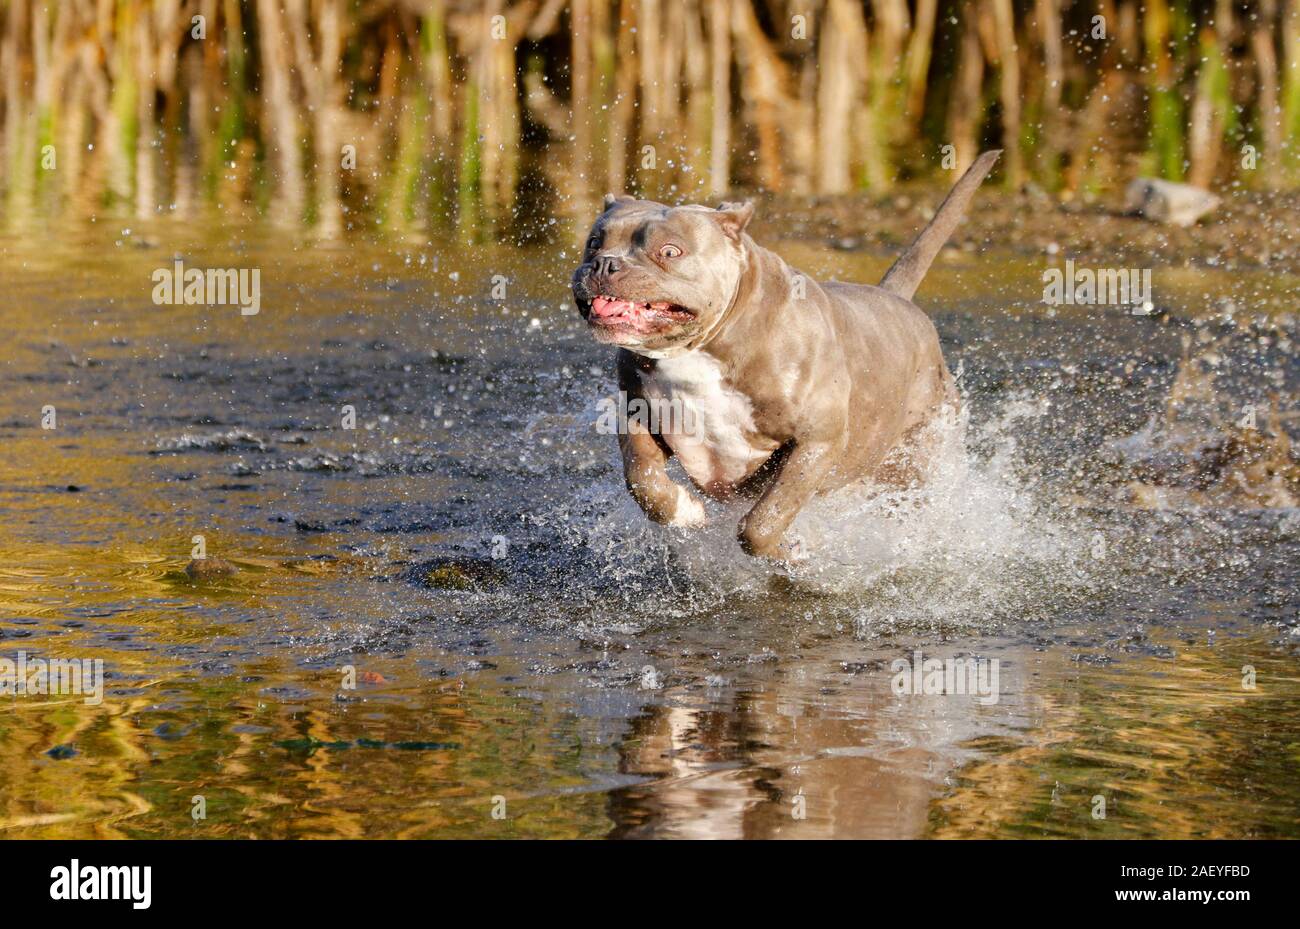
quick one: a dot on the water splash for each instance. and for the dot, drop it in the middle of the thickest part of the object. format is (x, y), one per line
(974, 546)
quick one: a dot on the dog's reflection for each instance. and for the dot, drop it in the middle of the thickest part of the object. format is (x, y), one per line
(811, 754)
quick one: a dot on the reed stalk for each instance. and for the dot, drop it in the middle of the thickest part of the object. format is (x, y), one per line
(669, 98)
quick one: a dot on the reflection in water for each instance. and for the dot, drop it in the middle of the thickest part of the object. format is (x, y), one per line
(1167, 744)
(783, 763)
(562, 661)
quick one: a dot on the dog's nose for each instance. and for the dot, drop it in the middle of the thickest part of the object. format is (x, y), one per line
(606, 265)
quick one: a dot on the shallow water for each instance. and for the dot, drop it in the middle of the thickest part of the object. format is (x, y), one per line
(519, 630)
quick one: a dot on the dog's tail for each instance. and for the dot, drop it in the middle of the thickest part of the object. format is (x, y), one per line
(906, 273)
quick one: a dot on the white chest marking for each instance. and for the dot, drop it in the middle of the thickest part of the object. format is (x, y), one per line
(713, 432)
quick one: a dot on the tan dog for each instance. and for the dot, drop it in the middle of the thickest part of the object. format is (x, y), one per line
(796, 388)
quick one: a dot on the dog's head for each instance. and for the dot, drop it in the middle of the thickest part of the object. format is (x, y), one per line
(656, 279)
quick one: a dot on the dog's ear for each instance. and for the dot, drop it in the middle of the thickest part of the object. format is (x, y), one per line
(612, 199)
(734, 217)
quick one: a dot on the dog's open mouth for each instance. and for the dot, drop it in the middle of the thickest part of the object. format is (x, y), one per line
(615, 312)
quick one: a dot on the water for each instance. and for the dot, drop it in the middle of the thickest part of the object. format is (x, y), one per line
(526, 642)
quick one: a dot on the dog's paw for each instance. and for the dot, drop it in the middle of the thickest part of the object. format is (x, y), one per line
(794, 550)
(690, 513)
(788, 549)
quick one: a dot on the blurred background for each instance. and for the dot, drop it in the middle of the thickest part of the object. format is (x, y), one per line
(488, 116)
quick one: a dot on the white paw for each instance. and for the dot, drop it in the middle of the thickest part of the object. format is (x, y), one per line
(690, 512)
(795, 550)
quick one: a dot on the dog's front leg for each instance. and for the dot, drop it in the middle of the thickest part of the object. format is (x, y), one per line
(645, 469)
(762, 530)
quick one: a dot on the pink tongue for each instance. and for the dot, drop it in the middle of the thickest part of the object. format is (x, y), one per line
(603, 306)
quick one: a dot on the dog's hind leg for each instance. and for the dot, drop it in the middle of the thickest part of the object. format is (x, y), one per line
(921, 449)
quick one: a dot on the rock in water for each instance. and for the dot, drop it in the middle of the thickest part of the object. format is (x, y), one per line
(202, 569)
(458, 574)
(1168, 202)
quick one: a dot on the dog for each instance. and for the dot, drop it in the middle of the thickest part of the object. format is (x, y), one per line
(796, 388)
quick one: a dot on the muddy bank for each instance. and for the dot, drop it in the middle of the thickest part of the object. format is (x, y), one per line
(1249, 230)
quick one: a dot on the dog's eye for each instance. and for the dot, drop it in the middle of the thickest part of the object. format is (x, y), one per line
(593, 243)
(669, 251)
